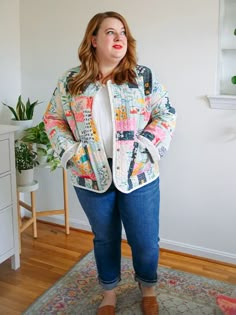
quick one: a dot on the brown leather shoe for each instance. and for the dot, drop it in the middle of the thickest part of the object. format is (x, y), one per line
(106, 310)
(149, 305)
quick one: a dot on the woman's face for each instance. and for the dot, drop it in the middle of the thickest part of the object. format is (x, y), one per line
(110, 42)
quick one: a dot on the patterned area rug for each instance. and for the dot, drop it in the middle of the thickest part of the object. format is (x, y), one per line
(178, 293)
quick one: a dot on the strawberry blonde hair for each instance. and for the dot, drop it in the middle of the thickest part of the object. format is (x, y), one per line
(89, 68)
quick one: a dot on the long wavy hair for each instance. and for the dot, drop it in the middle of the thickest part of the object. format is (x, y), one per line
(89, 68)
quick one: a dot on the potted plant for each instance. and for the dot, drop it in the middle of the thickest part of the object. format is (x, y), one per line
(26, 160)
(22, 114)
(37, 134)
(23, 111)
(233, 79)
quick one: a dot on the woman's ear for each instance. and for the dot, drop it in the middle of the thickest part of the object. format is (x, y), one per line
(94, 42)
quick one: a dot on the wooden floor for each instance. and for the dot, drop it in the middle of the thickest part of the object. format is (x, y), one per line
(45, 260)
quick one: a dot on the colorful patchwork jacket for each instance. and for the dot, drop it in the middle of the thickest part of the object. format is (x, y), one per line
(143, 123)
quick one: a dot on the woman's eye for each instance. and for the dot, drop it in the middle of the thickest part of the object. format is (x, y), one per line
(122, 33)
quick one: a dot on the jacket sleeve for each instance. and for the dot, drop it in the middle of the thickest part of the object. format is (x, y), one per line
(161, 126)
(57, 128)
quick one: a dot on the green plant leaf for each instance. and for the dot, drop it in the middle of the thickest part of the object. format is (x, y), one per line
(235, 32)
(42, 151)
(27, 109)
(54, 164)
(23, 111)
(20, 109)
(30, 109)
(233, 79)
(12, 110)
(25, 156)
(37, 134)
(41, 125)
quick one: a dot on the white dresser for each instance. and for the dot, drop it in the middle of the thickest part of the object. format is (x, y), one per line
(9, 237)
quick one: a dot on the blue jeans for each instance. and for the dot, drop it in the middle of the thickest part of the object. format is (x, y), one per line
(139, 212)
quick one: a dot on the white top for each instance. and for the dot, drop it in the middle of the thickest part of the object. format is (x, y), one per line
(103, 118)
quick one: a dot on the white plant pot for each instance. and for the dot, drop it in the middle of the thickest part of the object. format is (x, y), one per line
(25, 178)
(22, 125)
(42, 159)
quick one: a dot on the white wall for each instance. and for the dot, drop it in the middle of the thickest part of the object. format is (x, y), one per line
(179, 39)
(9, 56)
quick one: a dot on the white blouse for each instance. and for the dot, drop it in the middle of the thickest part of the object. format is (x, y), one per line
(103, 118)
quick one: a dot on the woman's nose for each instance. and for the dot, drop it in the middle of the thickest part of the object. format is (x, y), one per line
(117, 36)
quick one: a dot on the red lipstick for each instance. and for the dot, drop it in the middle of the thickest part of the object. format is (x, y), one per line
(117, 46)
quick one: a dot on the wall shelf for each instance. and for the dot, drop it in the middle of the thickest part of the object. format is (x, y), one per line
(222, 101)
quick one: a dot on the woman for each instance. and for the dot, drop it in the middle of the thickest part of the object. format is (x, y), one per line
(110, 121)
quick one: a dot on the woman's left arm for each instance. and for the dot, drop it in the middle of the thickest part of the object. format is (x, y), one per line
(163, 119)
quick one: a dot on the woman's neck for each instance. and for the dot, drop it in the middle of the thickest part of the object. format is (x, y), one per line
(106, 69)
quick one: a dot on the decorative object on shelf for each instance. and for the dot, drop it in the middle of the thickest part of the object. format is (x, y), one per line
(22, 115)
(26, 160)
(233, 79)
(37, 134)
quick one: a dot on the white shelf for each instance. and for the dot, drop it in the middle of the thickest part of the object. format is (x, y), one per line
(222, 101)
(228, 49)
(28, 188)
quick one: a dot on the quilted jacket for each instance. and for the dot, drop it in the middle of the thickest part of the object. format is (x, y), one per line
(143, 124)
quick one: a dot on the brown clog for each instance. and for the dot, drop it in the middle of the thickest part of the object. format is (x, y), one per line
(149, 305)
(106, 310)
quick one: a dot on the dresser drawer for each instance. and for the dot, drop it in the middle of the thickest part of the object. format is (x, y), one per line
(4, 156)
(6, 231)
(9, 232)
(5, 191)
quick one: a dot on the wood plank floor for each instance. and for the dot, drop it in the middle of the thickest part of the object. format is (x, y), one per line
(45, 260)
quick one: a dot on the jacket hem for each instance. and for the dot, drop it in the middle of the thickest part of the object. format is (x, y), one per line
(93, 190)
(136, 187)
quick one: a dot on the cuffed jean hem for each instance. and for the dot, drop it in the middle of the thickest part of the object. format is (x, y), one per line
(145, 283)
(109, 285)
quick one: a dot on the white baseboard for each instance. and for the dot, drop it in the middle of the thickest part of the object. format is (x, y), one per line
(59, 219)
(164, 243)
(198, 251)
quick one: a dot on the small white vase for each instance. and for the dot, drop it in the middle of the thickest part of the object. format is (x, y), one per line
(25, 178)
(42, 159)
(22, 125)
